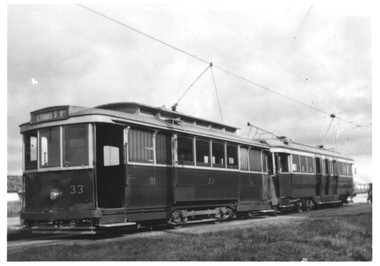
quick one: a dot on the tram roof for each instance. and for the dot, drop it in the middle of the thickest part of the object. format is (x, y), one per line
(136, 113)
(167, 114)
(277, 144)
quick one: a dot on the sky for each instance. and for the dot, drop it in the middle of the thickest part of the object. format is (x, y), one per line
(283, 68)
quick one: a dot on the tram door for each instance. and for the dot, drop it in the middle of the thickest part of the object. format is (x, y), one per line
(334, 177)
(110, 165)
(284, 179)
(271, 177)
(318, 166)
(326, 181)
(266, 183)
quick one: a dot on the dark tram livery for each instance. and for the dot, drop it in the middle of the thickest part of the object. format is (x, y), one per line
(304, 176)
(127, 164)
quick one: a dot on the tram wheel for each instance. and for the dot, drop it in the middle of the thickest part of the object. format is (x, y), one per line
(299, 206)
(310, 205)
(176, 226)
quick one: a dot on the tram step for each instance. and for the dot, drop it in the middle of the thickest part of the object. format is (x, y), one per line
(329, 202)
(197, 221)
(286, 206)
(267, 211)
(75, 232)
(63, 230)
(116, 224)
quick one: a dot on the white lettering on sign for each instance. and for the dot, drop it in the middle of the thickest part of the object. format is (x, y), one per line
(52, 115)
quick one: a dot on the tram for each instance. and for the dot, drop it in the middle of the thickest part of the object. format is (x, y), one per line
(128, 164)
(304, 176)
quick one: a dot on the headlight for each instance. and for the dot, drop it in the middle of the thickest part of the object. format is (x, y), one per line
(55, 194)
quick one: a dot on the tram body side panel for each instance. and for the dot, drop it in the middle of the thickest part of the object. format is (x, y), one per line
(194, 185)
(225, 185)
(148, 187)
(250, 189)
(284, 184)
(303, 185)
(345, 185)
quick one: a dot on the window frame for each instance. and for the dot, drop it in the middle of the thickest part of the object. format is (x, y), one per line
(184, 161)
(28, 163)
(197, 160)
(138, 152)
(282, 155)
(235, 164)
(258, 162)
(310, 160)
(86, 145)
(111, 157)
(40, 149)
(222, 144)
(297, 163)
(61, 166)
(326, 166)
(169, 148)
(244, 160)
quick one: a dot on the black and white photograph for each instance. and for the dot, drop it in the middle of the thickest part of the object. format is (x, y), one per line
(208, 131)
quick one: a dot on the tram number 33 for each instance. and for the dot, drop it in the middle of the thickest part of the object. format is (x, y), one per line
(76, 189)
(211, 181)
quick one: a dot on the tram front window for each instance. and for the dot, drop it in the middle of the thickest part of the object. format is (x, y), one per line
(60, 146)
(30, 150)
(75, 143)
(49, 147)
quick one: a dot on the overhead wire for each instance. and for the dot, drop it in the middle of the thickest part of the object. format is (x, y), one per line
(278, 40)
(140, 32)
(217, 96)
(204, 61)
(275, 92)
(278, 62)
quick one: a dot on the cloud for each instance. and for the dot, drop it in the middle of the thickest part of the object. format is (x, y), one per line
(313, 59)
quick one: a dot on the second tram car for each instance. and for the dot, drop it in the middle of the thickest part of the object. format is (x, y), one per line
(304, 176)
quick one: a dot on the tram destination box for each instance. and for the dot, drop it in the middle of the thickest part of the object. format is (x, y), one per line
(53, 113)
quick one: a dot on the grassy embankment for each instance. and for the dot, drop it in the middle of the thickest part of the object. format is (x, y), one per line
(345, 238)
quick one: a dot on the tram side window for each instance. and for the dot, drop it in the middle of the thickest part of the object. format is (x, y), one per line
(50, 147)
(244, 159)
(203, 152)
(255, 160)
(344, 168)
(163, 149)
(284, 162)
(232, 155)
(265, 164)
(296, 163)
(111, 155)
(310, 165)
(340, 168)
(185, 151)
(75, 139)
(327, 166)
(218, 154)
(140, 146)
(30, 144)
(349, 169)
(334, 168)
(303, 164)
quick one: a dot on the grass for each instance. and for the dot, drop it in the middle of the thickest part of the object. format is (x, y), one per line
(347, 238)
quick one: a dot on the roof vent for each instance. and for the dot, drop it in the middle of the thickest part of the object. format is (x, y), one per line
(174, 121)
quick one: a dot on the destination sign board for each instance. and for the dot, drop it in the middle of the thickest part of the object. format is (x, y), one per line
(50, 115)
